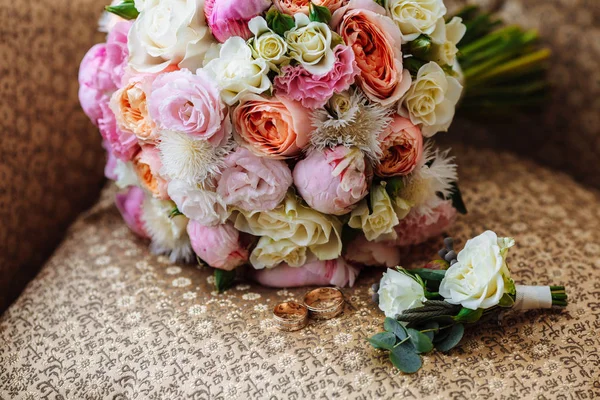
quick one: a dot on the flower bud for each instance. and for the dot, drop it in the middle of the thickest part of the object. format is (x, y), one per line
(420, 47)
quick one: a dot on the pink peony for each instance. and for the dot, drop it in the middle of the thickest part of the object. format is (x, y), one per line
(130, 205)
(227, 18)
(102, 70)
(188, 103)
(375, 254)
(334, 180)
(402, 145)
(314, 91)
(218, 246)
(122, 144)
(319, 273)
(416, 229)
(111, 163)
(253, 183)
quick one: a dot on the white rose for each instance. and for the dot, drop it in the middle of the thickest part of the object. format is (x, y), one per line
(269, 253)
(204, 206)
(480, 277)
(310, 45)
(379, 224)
(398, 291)
(237, 72)
(267, 44)
(415, 17)
(444, 39)
(431, 99)
(169, 32)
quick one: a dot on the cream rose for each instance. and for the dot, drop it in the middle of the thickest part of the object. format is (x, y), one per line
(480, 277)
(269, 253)
(398, 291)
(169, 32)
(444, 39)
(310, 45)
(266, 44)
(237, 72)
(297, 223)
(415, 17)
(431, 100)
(379, 224)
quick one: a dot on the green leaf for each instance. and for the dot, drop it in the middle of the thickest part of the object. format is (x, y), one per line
(394, 186)
(175, 213)
(380, 2)
(395, 327)
(279, 22)
(383, 340)
(507, 301)
(469, 316)
(430, 274)
(224, 279)
(405, 359)
(413, 65)
(124, 10)
(318, 13)
(420, 341)
(457, 200)
(454, 337)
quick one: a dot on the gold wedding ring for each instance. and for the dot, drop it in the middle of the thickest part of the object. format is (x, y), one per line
(290, 316)
(324, 303)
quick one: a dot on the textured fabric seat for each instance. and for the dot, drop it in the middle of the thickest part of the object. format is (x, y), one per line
(106, 319)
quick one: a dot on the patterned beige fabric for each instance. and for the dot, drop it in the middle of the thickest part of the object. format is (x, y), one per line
(107, 320)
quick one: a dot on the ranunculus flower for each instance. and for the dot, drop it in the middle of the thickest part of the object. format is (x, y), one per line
(481, 276)
(431, 99)
(147, 165)
(199, 204)
(398, 291)
(333, 181)
(297, 83)
(378, 221)
(191, 104)
(131, 108)
(377, 254)
(376, 41)
(275, 127)
(292, 7)
(310, 45)
(416, 17)
(417, 228)
(237, 73)
(319, 273)
(123, 145)
(227, 18)
(253, 183)
(267, 45)
(402, 145)
(102, 70)
(130, 206)
(169, 32)
(219, 246)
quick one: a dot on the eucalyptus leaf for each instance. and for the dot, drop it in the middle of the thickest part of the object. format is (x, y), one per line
(224, 279)
(383, 340)
(420, 341)
(393, 326)
(432, 328)
(469, 316)
(454, 337)
(405, 359)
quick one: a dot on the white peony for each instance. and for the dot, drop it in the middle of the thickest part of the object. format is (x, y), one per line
(267, 44)
(168, 233)
(415, 17)
(269, 253)
(444, 39)
(169, 32)
(202, 205)
(310, 45)
(398, 291)
(431, 100)
(379, 224)
(480, 277)
(237, 72)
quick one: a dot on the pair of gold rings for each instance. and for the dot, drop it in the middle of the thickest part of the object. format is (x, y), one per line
(321, 303)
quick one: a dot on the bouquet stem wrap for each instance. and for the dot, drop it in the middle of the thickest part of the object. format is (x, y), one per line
(532, 297)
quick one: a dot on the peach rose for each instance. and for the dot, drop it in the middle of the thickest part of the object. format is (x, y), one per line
(131, 108)
(292, 7)
(275, 127)
(147, 165)
(402, 145)
(376, 41)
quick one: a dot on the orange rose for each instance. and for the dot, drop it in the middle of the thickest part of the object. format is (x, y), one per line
(292, 7)
(402, 145)
(376, 42)
(275, 127)
(131, 109)
(147, 165)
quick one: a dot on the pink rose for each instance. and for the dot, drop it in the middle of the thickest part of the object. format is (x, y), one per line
(376, 41)
(147, 166)
(292, 7)
(253, 183)
(275, 127)
(416, 229)
(130, 207)
(402, 145)
(122, 144)
(218, 246)
(319, 273)
(314, 91)
(363, 252)
(188, 103)
(334, 180)
(102, 70)
(227, 18)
